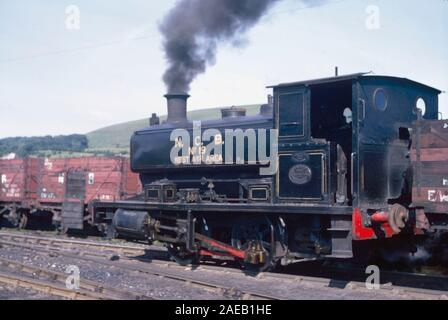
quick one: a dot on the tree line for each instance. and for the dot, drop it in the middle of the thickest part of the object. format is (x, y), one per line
(29, 146)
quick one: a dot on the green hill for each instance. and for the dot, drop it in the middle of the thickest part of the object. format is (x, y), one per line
(116, 138)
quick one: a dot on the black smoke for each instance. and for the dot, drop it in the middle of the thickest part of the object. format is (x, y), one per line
(193, 29)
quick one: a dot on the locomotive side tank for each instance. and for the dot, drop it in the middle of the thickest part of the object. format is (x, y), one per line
(343, 175)
(151, 151)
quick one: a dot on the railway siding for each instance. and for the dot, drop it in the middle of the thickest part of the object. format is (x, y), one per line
(224, 282)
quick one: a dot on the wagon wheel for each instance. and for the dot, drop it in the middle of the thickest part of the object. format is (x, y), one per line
(23, 221)
(13, 218)
(112, 234)
(181, 256)
(255, 235)
(61, 229)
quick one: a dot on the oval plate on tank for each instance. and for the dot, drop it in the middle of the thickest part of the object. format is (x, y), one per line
(300, 174)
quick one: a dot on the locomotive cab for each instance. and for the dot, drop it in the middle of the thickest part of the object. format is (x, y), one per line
(345, 142)
(315, 120)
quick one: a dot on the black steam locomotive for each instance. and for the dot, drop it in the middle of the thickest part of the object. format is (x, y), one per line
(350, 169)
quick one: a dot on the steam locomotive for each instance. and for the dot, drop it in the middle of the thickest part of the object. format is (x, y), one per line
(361, 159)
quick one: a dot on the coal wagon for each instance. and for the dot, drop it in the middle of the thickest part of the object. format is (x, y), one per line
(63, 188)
(18, 188)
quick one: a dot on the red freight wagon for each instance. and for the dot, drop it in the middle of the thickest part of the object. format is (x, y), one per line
(18, 187)
(106, 179)
(65, 186)
(18, 180)
(52, 179)
(430, 166)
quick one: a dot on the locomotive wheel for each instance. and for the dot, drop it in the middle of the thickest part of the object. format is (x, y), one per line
(181, 256)
(256, 234)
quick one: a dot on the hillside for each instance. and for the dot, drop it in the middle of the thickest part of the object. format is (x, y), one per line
(116, 138)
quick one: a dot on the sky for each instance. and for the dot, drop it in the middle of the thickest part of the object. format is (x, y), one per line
(58, 76)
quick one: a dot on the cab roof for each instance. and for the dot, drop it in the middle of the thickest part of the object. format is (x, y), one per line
(349, 77)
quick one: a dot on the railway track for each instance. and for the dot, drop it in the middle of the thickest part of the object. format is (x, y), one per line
(17, 274)
(67, 248)
(128, 256)
(73, 244)
(45, 287)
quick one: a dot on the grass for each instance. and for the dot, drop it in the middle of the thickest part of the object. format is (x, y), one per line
(116, 138)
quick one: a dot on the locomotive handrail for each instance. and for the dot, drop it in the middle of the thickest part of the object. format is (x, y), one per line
(352, 173)
(363, 104)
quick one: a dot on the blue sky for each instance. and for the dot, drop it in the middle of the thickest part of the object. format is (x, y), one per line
(59, 81)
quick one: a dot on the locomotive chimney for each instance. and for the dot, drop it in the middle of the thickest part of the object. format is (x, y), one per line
(177, 107)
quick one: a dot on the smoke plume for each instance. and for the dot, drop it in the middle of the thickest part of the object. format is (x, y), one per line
(193, 29)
